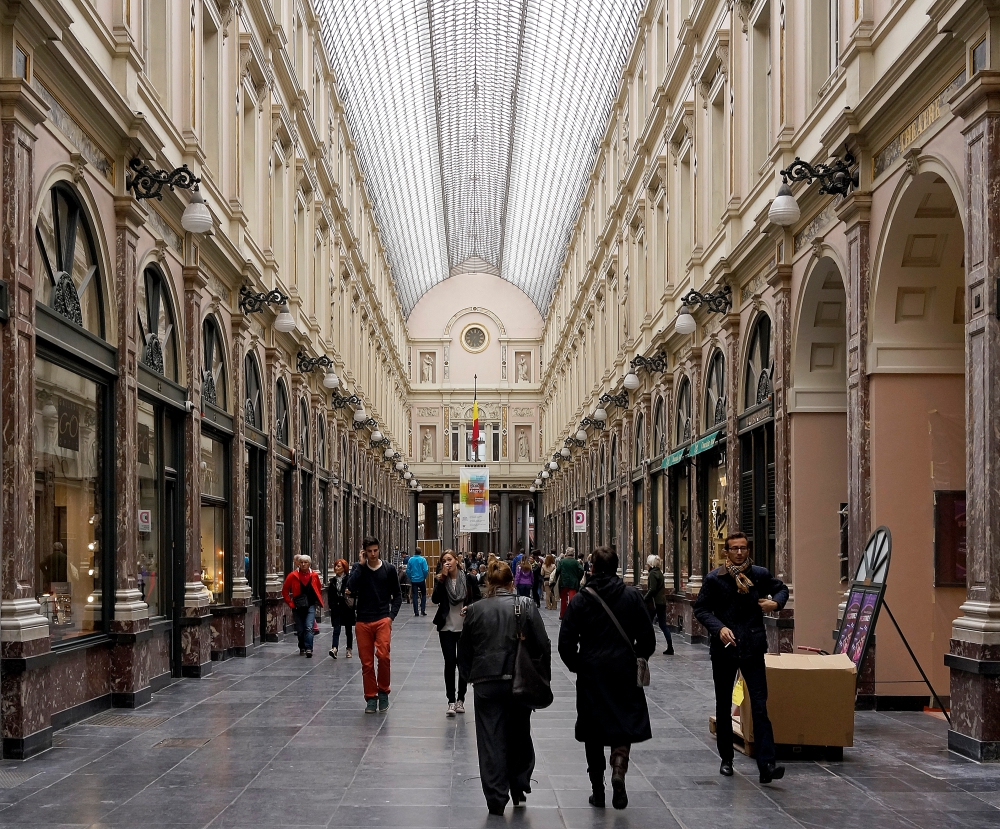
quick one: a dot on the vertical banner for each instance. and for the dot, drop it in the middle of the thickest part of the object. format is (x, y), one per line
(579, 521)
(474, 499)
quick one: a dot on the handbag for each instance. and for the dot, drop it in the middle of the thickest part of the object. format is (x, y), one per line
(641, 665)
(530, 688)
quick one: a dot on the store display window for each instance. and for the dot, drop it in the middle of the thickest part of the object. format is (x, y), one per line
(214, 516)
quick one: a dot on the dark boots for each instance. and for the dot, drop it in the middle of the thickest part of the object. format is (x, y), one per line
(619, 767)
(597, 782)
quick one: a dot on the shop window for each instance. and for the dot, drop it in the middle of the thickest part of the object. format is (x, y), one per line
(303, 428)
(148, 471)
(213, 384)
(156, 324)
(253, 403)
(70, 283)
(682, 425)
(715, 392)
(281, 414)
(70, 500)
(214, 512)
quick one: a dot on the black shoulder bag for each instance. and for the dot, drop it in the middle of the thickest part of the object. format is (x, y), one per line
(641, 665)
(531, 688)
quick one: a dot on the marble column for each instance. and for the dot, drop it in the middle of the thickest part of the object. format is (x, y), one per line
(24, 632)
(274, 568)
(505, 524)
(974, 656)
(240, 625)
(731, 328)
(448, 522)
(130, 627)
(196, 621)
(411, 522)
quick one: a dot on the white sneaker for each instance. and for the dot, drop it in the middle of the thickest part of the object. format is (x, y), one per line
(460, 707)
(349, 653)
(451, 709)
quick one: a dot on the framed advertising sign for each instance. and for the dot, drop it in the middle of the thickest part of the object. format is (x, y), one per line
(949, 538)
(864, 599)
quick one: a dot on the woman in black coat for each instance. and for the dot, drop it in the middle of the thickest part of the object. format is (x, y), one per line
(341, 614)
(610, 707)
(454, 590)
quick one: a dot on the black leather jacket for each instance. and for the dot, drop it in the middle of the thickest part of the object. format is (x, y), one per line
(489, 638)
(720, 604)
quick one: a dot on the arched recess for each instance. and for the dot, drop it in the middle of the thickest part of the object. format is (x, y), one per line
(253, 401)
(158, 330)
(715, 391)
(817, 403)
(281, 413)
(215, 379)
(305, 445)
(916, 362)
(659, 429)
(683, 426)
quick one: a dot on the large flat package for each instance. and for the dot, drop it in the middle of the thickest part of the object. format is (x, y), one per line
(810, 699)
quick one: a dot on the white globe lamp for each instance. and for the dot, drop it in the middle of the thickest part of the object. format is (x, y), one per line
(565, 452)
(632, 381)
(377, 436)
(330, 379)
(600, 414)
(196, 217)
(284, 323)
(581, 435)
(388, 453)
(545, 474)
(538, 482)
(784, 210)
(400, 466)
(685, 324)
(531, 488)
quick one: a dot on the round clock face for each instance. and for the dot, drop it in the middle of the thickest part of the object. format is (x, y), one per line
(474, 338)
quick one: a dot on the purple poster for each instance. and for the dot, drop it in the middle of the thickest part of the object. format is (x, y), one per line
(863, 626)
(850, 620)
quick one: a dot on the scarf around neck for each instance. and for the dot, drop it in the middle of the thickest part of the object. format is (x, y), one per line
(743, 584)
(456, 587)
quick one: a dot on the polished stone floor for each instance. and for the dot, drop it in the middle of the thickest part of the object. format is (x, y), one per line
(285, 743)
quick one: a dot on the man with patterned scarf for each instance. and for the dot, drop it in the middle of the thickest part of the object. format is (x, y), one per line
(731, 606)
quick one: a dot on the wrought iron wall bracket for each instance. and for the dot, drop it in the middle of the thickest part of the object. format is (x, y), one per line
(304, 363)
(368, 422)
(837, 179)
(251, 302)
(720, 302)
(379, 444)
(620, 400)
(590, 421)
(339, 402)
(147, 183)
(572, 441)
(658, 362)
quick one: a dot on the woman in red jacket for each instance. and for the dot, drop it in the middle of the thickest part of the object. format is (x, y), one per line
(303, 593)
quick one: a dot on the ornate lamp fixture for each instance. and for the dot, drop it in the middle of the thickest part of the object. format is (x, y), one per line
(146, 183)
(379, 441)
(305, 364)
(251, 302)
(597, 423)
(719, 302)
(620, 400)
(657, 362)
(836, 179)
(364, 422)
(339, 402)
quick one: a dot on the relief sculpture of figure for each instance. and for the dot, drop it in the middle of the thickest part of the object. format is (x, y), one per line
(522, 445)
(427, 446)
(427, 368)
(522, 369)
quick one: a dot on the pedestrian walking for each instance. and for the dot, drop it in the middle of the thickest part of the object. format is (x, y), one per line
(605, 628)
(548, 575)
(524, 579)
(454, 590)
(302, 592)
(731, 606)
(404, 582)
(341, 606)
(416, 570)
(656, 597)
(486, 652)
(375, 588)
(570, 572)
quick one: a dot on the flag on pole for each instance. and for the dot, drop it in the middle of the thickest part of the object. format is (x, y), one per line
(475, 427)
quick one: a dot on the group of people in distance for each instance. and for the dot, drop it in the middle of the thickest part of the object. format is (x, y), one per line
(606, 629)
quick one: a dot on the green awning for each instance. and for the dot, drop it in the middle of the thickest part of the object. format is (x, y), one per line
(674, 458)
(704, 444)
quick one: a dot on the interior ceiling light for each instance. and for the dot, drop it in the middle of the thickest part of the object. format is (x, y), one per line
(476, 126)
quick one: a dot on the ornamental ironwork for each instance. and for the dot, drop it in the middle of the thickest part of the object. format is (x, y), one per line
(147, 183)
(152, 355)
(66, 300)
(592, 421)
(764, 387)
(720, 410)
(208, 393)
(658, 362)
(620, 400)
(339, 402)
(251, 302)
(836, 179)
(719, 302)
(305, 364)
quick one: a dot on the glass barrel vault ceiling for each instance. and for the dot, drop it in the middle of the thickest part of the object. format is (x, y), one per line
(476, 123)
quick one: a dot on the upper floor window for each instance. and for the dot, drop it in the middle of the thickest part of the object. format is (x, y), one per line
(321, 442)
(303, 427)
(253, 403)
(640, 440)
(156, 324)
(213, 384)
(281, 413)
(682, 427)
(759, 370)
(715, 392)
(659, 431)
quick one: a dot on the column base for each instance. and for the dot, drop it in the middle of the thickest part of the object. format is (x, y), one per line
(23, 748)
(983, 751)
(975, 693)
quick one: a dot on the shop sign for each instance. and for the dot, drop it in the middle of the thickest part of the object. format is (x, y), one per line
(145, 521)
(579, 521)
(674, 458)
(69, 424)
(928, 116)
(142, 445)
(704, 444)
(756, 416)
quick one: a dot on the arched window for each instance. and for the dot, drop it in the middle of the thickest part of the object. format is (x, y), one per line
(213, 384)
(640, 440)
(72, 283)
(156, 324)
(253, 404)
(659, 430)
(603, 470)
(760, 368)
(715, 392)
(303, 427)
(281, 413)
(682, 426)
(343, 456)
(321, 441)
(614, 456)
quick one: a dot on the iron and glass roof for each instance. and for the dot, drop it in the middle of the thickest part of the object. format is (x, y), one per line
(476, 123)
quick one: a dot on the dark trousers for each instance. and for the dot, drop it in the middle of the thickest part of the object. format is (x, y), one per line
(596, 762)
(304, 620)
(449, 648)
(661, 620)
(503, 737)
(419, 593)
(348, 630)
(724, 670)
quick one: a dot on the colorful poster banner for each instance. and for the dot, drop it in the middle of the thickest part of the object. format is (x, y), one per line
(474, 499)
(579, 521)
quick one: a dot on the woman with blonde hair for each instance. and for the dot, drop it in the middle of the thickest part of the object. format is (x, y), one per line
(656, 596)
(486, 653)
(454, 590)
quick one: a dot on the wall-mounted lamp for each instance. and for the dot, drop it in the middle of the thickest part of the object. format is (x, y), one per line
(305, 364)
(339, 402)
(719, 302)
(836, 179)
(251, 302)
(147, 183)
(620, 400)
(658, 362)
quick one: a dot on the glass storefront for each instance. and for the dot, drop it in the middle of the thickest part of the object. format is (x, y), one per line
(70, 500)
(282, 516)
(214, 516)
(148, 468)
(680, 517)
(712, 472)
(656, 519)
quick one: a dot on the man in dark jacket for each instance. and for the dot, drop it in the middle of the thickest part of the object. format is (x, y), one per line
(731, 606)
(375, 588)
(610, 706)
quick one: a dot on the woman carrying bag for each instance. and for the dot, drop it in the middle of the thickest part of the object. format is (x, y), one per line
(341, 607)
(502, 631)
(656, 599)
(454, 590)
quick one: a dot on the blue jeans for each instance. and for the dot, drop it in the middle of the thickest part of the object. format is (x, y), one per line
(661, 620)
(304, 626)
(348, 630)
(419, 590)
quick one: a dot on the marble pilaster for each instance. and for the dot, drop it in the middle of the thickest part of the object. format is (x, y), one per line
(273, 624)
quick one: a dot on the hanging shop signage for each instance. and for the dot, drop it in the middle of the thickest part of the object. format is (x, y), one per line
(674, 458)
(757, 415)
(579, 521)
(704, 444)
(474, 499)
(145, 521)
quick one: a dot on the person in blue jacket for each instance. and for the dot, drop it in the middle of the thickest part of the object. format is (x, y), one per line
(731, 606)
(416, 569)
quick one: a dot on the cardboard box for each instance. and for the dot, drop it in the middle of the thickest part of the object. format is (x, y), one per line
(810, 699)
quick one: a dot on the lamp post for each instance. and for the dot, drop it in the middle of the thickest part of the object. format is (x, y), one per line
(836, 179)
(144, 182)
